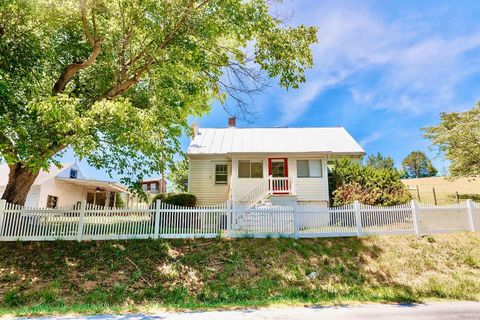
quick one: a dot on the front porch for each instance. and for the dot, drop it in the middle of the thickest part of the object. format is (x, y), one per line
(258, 179)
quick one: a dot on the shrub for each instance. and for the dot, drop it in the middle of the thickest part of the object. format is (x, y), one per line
(178, 199)
(373, 186)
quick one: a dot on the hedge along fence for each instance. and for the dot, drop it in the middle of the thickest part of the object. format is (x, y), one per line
(88, 222)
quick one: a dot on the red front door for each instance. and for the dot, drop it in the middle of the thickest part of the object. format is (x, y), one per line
(278, 169)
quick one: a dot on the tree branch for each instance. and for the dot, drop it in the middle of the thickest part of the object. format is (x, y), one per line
(83, 10)
(73, 68)
(123, 86)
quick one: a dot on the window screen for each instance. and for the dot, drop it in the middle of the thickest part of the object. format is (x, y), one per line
(309, 169)
(221, 174)
(315, 168)
(250, 169)
(244, 169)
(256, 169)
(302, 169)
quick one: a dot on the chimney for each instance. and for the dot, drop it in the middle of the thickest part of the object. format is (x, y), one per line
(232, 122)
(194, 130)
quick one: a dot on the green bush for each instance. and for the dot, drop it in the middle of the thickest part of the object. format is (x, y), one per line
(373, 186)
(178, 199)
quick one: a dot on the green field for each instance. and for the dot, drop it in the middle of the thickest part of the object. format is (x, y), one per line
(143, 275)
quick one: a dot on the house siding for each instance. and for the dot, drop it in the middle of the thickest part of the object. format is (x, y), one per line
(68, 194)
(241, 186)
(307, 190)
(201, 181)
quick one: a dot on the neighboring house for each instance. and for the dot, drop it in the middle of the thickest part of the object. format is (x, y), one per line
(154, 186)
(67, 186)
(259, 165)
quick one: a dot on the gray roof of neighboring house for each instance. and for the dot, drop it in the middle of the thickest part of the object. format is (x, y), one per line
(273, 140)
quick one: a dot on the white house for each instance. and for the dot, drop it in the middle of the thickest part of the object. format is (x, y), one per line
(255, 165)
(66, 186)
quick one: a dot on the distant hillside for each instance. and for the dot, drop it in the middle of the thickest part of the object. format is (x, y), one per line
(445, 189)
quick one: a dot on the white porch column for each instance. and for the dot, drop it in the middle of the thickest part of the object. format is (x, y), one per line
(233, 179)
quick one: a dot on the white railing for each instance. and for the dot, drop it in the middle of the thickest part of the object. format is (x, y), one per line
(266, 187)
(256, 194)
(281, 185)
(160, 220)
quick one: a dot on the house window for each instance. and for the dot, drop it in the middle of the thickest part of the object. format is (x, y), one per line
(309, 169)
(144, 187)
(73, 174)
(250, 169)
(52, 202)
(153, 187)
(221, 173)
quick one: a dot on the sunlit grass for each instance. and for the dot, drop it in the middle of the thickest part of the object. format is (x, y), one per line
(128, 276)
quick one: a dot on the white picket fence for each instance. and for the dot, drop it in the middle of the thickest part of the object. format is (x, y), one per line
(88, 222)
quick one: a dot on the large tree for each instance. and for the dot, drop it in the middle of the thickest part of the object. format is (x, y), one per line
(117, 80)
(457, 136)
(418, 165)
(178, 175)
(379, 161)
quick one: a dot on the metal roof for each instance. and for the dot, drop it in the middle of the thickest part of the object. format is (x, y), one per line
(273, 140)
(107, 185)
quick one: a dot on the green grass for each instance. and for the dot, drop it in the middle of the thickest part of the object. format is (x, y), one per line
(142, 275)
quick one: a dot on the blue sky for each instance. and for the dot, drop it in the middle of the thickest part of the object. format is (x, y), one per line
(383, 69)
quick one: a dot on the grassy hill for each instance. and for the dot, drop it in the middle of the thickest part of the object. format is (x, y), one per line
(445, 189)
(60, 277)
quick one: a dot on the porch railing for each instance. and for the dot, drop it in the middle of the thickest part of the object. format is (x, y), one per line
(280, 185)
(268, 186)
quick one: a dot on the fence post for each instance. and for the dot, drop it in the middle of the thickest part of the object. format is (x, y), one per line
(470, 210)
(81, 220)
(158, 205)
(358, 217)
(296, 224)
(3, 206)
(416, 224)
(229, 217)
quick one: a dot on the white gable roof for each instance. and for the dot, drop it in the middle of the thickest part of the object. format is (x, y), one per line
(273, 140)
(43, 176)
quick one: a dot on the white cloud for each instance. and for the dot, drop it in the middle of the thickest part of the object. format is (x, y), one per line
(374, 136)
(416, 67)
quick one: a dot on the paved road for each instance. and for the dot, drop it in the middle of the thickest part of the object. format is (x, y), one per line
(430, 311)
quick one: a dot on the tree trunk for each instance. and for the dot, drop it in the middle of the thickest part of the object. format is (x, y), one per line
(20, 180)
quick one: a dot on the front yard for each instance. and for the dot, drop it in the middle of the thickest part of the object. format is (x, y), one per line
(133, 275)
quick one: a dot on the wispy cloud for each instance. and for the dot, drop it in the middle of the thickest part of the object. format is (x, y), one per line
(416, 67)
(374, 136)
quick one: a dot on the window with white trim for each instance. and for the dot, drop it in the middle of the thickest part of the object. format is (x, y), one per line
(309, 169)
(250, 169)
(221, 173)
